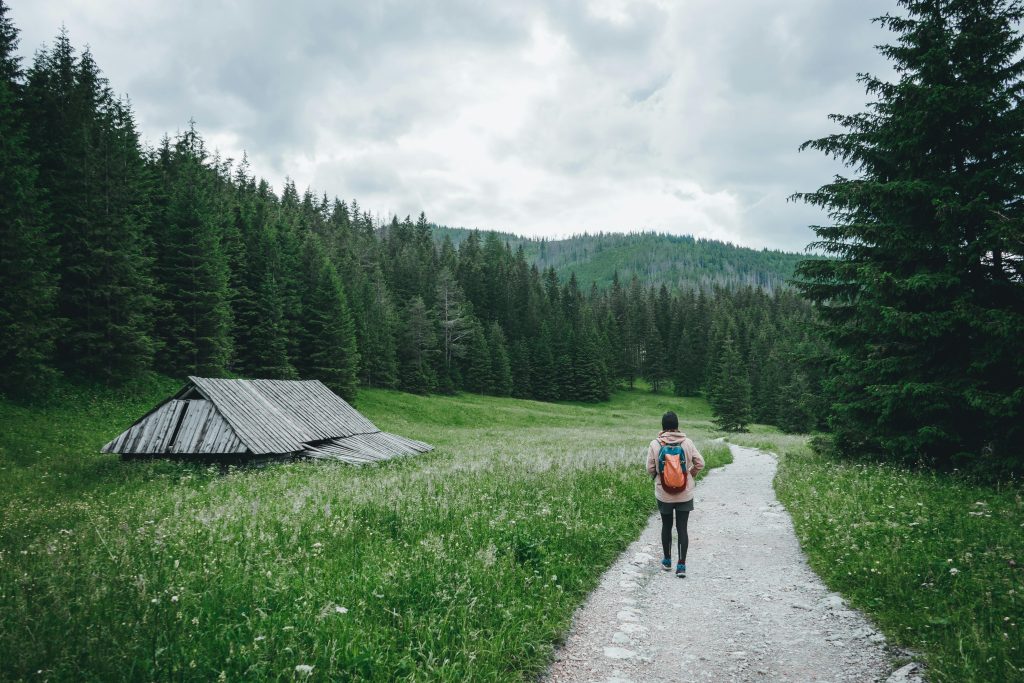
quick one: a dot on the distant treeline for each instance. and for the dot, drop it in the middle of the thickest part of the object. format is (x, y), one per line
(119, 260)
(679, 261)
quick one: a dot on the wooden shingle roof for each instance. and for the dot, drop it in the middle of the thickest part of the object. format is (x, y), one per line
(260, 417)
(280, 416)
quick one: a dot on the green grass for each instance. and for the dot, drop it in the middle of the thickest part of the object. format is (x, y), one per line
(464, 564)
(934, 560)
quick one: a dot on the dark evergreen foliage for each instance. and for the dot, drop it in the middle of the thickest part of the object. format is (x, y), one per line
(267, 337)
(479, 371)
(417, 349)
(730, 392)
(327, 341)
(379, 358)
(501, 367)
(28, 282)
(924, 302)
(194, 320)
(92, 171)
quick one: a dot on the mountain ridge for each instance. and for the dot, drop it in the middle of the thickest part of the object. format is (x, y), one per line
(678, 261)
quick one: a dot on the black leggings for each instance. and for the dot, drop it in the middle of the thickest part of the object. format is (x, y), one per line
(666, 534)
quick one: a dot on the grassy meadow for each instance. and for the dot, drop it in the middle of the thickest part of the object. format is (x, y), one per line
(464, 564)
(936, 561)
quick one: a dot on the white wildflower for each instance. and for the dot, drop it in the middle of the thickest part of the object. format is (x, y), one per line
(174, 598)
(954, 571)
(340, 610)
(304, 669)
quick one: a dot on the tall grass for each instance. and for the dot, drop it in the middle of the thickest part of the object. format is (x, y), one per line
(935, 560)
(465, 564)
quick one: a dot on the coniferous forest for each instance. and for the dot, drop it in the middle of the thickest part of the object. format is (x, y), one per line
(902, 335)
(121, 260)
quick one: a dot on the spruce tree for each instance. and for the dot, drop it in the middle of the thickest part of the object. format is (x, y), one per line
(379, 358)
(522, 369)
(543, 383)
(563, 351)
(195, 316)
(327, 342)
(924, 298)
(28, 283)
(455, 323)
(796, 406)
(248, 252)
(501, 367)
(655, 359)
(92, 171)
(417, 349)
(478, 374)
(590, 373)
(730, 391)
(267, 336)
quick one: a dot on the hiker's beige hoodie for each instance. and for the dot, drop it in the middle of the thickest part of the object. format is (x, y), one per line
(694, 464)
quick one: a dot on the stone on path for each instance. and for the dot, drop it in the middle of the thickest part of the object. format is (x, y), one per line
(906, 674)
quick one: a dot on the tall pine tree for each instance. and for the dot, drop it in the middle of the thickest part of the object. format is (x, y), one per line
(195, 315)
(924, 300)
(327, 341)
(28, 283)
(92, 171)
(730, 390)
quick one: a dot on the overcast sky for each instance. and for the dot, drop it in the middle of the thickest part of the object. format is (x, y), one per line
(540, 118)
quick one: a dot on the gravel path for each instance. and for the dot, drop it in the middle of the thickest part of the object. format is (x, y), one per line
(750, 608)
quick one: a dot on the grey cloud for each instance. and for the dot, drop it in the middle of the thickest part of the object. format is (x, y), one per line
(340, 95)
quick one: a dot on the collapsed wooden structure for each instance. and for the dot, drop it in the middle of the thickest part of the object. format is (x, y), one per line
(259, 418)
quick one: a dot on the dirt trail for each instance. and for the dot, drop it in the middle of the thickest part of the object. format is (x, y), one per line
(750, 608)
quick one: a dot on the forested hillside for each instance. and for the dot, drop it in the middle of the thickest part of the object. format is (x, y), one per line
(120, 260)
(678, 261)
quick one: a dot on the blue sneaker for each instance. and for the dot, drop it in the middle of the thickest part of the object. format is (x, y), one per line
(680, 570)
(666, 564)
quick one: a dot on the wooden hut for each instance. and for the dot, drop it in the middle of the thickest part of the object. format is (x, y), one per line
(247, 419)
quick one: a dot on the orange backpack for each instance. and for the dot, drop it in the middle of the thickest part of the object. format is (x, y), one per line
(672, 467)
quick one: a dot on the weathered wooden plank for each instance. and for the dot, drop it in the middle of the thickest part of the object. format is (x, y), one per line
(289, 401)
(226, 441)
(144, 437)
(211, 427)
(196, 415)
(257, 423)
(212, 433)
(363, 448)
(266, 414)
(167, 432)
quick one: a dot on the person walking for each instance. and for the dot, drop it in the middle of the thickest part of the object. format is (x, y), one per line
(673, 461)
